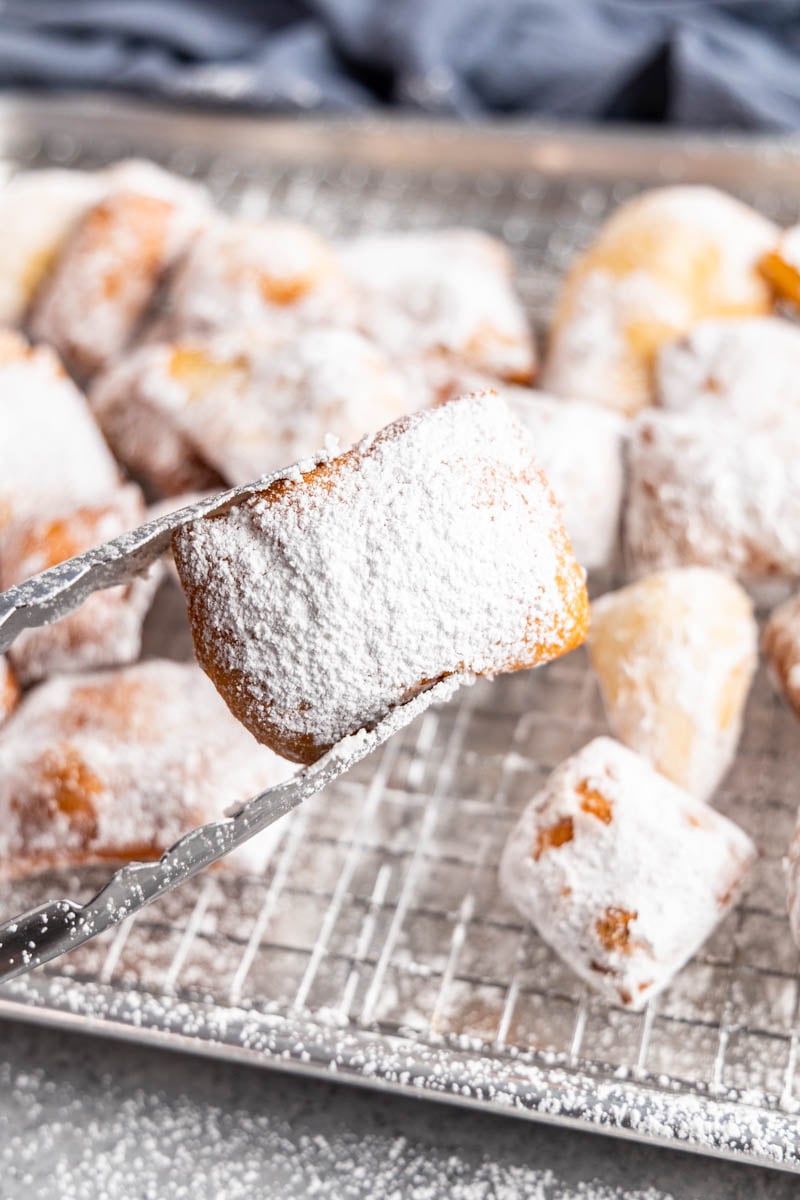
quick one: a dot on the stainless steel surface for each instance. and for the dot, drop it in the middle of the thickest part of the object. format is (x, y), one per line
(377, 947)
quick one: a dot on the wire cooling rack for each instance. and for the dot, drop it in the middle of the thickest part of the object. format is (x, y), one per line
(377, 946)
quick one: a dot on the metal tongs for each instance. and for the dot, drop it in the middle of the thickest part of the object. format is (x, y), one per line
(52, 929)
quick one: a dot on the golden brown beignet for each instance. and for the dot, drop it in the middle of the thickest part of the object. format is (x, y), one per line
(624, 874)
(277, 274)
(705, 491)
(664, 261)
(52, 455)
(675, 654)
(38, 210)
(440, 297)
(243, 403)
(107, 628)
(746, 368)
(119, 764)
(9, 689)
(431, 548)
(781, 646)
(104, 280)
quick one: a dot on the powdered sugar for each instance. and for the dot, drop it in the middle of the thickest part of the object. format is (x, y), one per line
(107, 628)
(277, 273)
(52, 455)
(133, 401)
(748, 369)
(580, 448)
(702, 492)
(37, 211)
(119, 764)
(623, 873)
(444, 292)
(108, 271)
(432, 548)
(245, 402)
(675, 654)
(665, 260)
(590, 356)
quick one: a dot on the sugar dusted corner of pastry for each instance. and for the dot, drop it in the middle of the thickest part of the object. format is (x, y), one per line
(624, 874)
(433, 548)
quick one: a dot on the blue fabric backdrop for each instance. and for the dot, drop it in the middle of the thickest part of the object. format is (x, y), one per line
(682, 61)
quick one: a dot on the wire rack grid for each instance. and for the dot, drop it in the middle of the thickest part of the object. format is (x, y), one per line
(377, 945)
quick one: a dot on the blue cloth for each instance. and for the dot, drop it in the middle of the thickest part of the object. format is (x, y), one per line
(690, 62)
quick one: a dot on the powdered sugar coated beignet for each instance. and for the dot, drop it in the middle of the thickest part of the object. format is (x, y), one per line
(275, 273)
(134, 401)
(675, 655)
(37, 212)
(624, 874)
(99, 290)
(245, 403)
(580, 448)
(748, 369)
(664, 261)
(107, 627)
(434, 547)
(705, 491)
(781, 645)
(52, 455)
(119, 764)
(442, 293)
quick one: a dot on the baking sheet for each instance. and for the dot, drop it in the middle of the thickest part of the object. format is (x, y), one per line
(376, 947)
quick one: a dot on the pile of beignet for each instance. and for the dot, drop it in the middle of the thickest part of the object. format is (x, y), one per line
(156, 346)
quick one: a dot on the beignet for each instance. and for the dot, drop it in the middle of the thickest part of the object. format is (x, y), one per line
(431, 548)
(624, 874)
(275, 273)
(675, 655)
(52, 455)
(662, 262)
(781, 645)
(444, 293)
(104, 280)
(9, 689)
(748, 369)
(243, 403)
(38, 210)
(133, 401)
(705, 491)
(580, 447)
(780, 266)
(119, 764)
(107, 627)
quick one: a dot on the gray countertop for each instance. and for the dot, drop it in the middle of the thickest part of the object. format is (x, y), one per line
(85, 1118)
